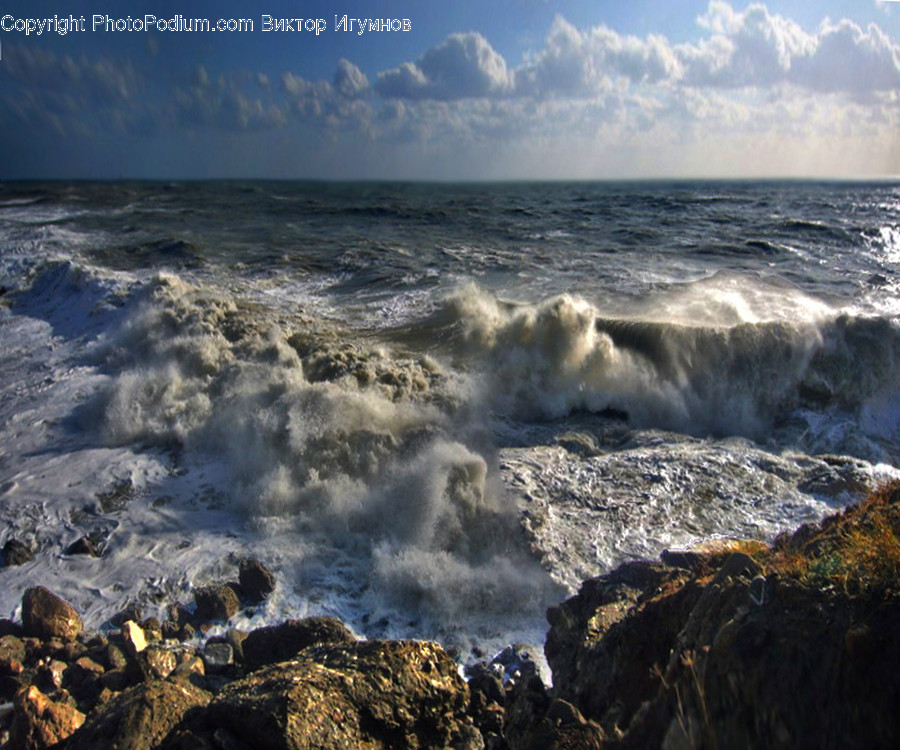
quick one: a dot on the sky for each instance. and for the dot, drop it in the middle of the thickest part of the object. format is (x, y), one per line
(450, 89)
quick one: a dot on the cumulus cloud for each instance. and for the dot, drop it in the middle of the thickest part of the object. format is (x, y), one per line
(349, 80)
(574, 62)
(462, 66)
(748, 74)
(757, 48)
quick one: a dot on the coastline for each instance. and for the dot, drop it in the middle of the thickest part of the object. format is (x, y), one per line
(738, 645)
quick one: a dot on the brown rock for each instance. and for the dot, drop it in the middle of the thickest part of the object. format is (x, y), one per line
(281, 642)
(45, 615)
(39, 722)
(139, 718)
(12, 655)
(216, 602)
(156, 662)
(368, 694)
(256, 580)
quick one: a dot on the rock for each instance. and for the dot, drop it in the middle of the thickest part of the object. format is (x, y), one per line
(115, 657)
(256, 581)
(371, 694)
(12, 655)
(189, 669)
(157, 662)
(45, 615)
(216, 602)
(790, 646)
(39, 722)
(8, 627)
(133, 636)
(16, 552)
(139, 718)
(85, 545)
(130, 612)
(604, 643)
(217, 657)
(281, 642)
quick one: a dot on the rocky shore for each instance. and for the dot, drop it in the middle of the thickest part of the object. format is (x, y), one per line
(743, 645)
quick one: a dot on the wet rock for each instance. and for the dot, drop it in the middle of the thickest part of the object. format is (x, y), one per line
(39, 722)
(216, 602)
(45, 615)
(372, 694)
(8, 627)
(217, 657)
(139, 718)
(16, 552)
(85, 545)
(131, 612)
(255, 579)
(281, 642)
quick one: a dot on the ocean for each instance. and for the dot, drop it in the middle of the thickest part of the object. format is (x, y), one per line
(431, 409)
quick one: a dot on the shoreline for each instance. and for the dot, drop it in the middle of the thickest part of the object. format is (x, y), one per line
(674, 653)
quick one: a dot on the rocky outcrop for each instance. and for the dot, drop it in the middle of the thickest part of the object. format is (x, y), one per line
(793, 646)
(139, 718)
(369, 694)
(39, 722)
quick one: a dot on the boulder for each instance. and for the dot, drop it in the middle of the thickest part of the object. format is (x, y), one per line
(46, 616)
(367, 694)
(39, 722)
(139, 718)
(216, 602)
(281, 642)
(255, 579)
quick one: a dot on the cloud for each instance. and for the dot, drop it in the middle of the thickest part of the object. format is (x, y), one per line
(581, 63)
(750, 76)
(756, 48)
(349, 80)
(462, 66)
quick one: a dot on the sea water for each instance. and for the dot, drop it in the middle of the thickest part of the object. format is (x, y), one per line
(432, 410)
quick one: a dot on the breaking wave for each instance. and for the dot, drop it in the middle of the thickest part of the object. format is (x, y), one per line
(700, 361)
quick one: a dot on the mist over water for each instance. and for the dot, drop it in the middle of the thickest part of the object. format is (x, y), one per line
(432, 409)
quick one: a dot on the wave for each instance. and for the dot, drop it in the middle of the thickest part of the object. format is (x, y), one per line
(356, 449)
(726, 356)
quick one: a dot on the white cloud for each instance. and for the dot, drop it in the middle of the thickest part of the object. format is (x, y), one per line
(349, 79)
(462, 66)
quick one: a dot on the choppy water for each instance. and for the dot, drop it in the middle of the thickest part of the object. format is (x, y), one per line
(433, 409)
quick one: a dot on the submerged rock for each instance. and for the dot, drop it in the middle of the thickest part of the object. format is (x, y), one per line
(16, 552)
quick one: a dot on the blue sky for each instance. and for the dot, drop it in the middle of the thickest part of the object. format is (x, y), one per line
(493, 89)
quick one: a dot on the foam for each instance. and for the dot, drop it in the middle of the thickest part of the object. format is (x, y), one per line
(751, 354)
